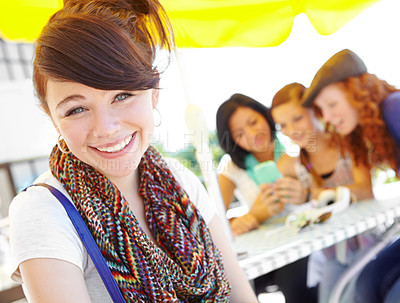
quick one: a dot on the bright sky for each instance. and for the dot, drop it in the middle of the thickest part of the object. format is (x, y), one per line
(211, 76)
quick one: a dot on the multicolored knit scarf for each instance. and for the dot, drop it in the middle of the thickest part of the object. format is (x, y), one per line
(184, 267)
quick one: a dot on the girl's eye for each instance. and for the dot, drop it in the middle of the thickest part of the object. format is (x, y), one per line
(253, 122)
(332, 104)
(74, 111)
(122, 96)
(298, 118)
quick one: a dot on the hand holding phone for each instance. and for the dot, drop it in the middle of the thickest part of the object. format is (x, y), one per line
(266, 172)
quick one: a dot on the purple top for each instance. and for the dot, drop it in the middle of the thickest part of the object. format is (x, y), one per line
(391, 116)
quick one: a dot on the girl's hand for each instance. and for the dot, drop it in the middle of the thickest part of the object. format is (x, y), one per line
(290, 191)
(267, 204)
(243, 224)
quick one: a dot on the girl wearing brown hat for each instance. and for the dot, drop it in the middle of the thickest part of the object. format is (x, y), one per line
(365, 111)
(359, 106)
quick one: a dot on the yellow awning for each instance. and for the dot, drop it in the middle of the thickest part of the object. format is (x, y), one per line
(206, 23)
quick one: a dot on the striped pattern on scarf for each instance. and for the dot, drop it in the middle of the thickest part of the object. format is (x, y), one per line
(185, 266)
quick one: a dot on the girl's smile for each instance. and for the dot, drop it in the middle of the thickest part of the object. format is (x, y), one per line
(114, 150)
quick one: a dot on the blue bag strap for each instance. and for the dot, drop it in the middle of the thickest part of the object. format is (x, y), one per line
(90, 244)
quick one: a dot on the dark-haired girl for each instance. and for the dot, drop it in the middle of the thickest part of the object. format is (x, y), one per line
(246, 132)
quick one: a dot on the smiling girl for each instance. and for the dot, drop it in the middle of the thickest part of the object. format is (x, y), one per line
(246, 132)
(365, 110)
(360, 107)
(151, 219)
(322, 162)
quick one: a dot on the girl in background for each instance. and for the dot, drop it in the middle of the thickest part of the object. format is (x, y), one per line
(246, 132)
(321, 164)
(365, 111)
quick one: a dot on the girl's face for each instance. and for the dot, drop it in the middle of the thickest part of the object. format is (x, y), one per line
(109, 130)
(336, 109)
(296, 122)
(250, 130)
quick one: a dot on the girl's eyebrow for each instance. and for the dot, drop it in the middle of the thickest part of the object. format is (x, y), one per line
(68, 99)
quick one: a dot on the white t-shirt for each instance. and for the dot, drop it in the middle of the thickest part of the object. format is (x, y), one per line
(40, 227)
(246, 189)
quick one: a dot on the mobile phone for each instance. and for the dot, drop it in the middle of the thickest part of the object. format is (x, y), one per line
(266, 172)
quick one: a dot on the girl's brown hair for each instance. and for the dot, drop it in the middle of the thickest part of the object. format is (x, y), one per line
(294, 92)
(370, 143)
(108, 45)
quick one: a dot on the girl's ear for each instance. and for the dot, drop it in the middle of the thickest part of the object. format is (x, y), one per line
(154, 97)
(156, 92)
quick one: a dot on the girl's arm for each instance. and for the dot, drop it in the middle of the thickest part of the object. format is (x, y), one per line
(227, 187)
(241, 289)
(289, 188)
(53, 280)
(266, 206)
(362, 186)
(285, 165)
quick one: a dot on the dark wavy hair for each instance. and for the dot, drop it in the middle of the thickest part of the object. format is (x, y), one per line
(225, 112)
(370, 143)
(107, 45)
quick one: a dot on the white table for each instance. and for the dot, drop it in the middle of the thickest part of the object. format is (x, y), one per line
(273, 245)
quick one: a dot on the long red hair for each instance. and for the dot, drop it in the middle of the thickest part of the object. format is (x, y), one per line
(370, 143)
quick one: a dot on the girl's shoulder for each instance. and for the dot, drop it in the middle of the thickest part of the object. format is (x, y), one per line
(41, 228)
(38, 198)
(391, 113)
(226, 164)
(286, 165)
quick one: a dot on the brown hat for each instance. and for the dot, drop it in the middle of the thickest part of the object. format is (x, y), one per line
(339, 67)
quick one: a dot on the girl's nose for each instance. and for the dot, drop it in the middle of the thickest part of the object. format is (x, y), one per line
(326, 115)
(105, 123)
(252, 131)
(289, 130)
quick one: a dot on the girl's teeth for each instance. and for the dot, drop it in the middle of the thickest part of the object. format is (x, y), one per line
(117, 147)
